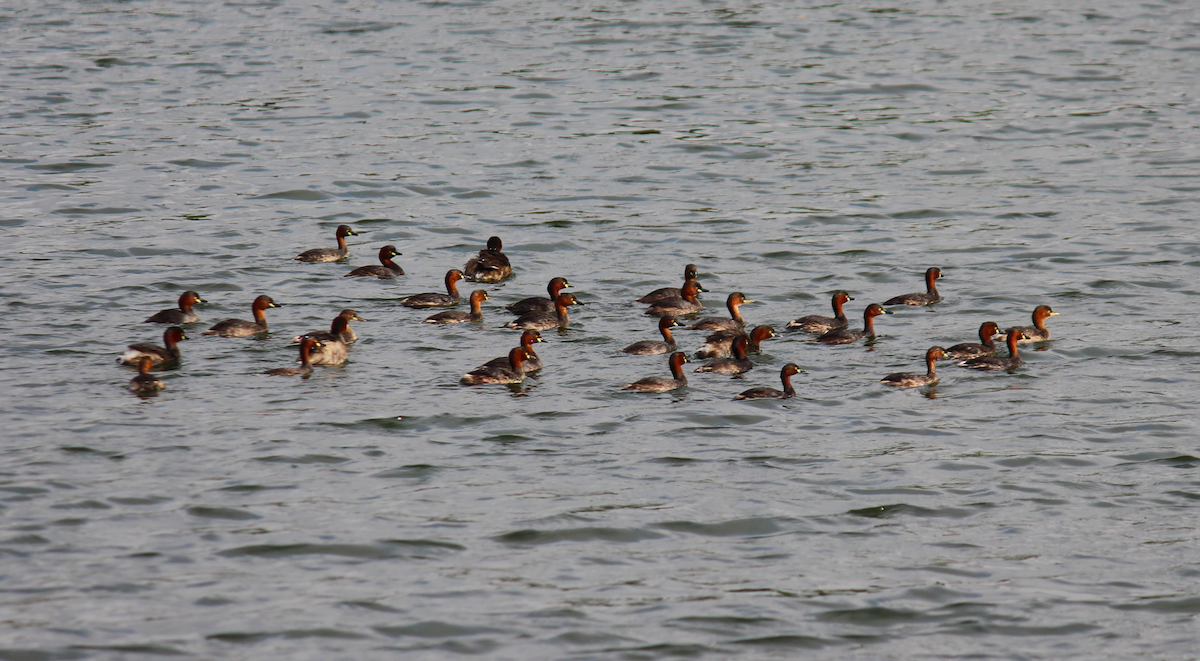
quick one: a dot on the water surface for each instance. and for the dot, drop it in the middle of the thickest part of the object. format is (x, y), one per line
(1037, 156)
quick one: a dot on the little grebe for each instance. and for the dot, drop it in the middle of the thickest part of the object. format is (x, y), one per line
(458, 316)
(183, 315)
(168, 353)
(145, 383)
(986, 347)
(720, 343)
(436, 300)
(689, 275)
(243, 328)
(662, 383)
(655, 347)
(846, 336)
(386, 268)
(912, 379)
(540, 320)
(490, 265)
(332, 349)
(733, 303)
(339, 331)
(513, 373)
(686, 303)
(930, 296)
(329, 254)
(739, 364)
(539, 303)
(306, 365)
(532, 362)
(996, 362)
(1038, 331)
(785, 375)
(815, 323)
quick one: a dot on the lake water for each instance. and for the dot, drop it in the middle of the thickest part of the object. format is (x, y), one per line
(1038, 156)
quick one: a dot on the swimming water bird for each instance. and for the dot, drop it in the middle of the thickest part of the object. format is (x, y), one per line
(720, 343)
(655, 347)
(436, 300)
(532, 362)
(785, 375)
(513, 373)
(329, 254)
(815, 323)
(458, 316)
(846, 336)
(912, 379)
(735, 321)
(306, 365)
(996, 362)
(986, 347)
(490, 265)
(182, 315)
(689, 275)
(339, 331)
(1038, 331)
(930, 296)
(166, 354)
(541, 320)
(145, 383)
(386, 268)
(536, 303)
(661, 383)
(243, 328)
(738, 364)
(332, 348)
(687, 302)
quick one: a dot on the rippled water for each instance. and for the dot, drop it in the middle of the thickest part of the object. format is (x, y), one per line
(1037, 156)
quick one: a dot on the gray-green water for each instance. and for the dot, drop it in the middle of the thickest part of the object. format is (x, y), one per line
(1036, 155)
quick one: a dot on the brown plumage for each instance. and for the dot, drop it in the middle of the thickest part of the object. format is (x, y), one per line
(661, 383)
(689, 275)
(490, 265)
(386, 268)
(437, 300)
(912, 379)
(329, 254)
(815, 323)
(183, 315)
(846, 336)
(785, 375)
(930, 296)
